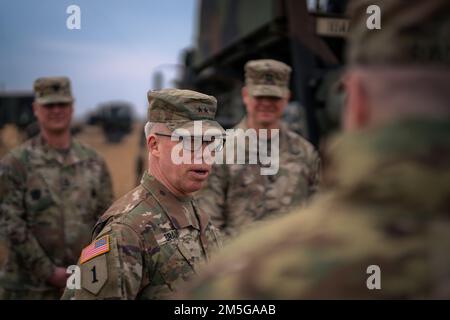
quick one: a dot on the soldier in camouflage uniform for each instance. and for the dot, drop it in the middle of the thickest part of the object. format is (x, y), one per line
(53, 189)
(385, 200)
(155, 237)
(238, 194)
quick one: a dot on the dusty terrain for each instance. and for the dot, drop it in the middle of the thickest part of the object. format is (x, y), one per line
(120, 158)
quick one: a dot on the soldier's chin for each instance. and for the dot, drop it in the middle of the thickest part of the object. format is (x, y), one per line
(57, 128)
(194, 186)
(266, 117)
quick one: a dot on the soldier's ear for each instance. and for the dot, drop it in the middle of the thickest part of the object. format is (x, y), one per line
(153, 146)
(357, 107)
(245, 95)
(35, 109)
(288, 96)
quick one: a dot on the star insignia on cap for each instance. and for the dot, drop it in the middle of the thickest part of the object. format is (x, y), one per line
(56, 87)
(200, 109)
(268, 77)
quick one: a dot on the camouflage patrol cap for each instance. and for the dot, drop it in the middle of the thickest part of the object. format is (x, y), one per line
(267, 77)
(53, 90)
(178, 108)
(414, 32)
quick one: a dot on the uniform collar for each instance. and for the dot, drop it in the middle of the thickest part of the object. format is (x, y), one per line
(44, 153)
(284, 145)
(182, 211)
(283, 128)
(244, 125)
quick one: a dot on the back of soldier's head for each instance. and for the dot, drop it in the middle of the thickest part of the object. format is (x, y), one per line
(400, 52)
(412, 33)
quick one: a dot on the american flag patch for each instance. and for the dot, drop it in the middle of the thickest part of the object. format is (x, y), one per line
(96, 248)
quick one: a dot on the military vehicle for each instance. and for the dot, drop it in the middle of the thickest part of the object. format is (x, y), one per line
(307, 35)
(116, 119)
(16, 108)
(17, 120)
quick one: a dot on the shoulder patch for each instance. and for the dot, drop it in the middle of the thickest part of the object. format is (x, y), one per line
(94, 275)
(96, 248)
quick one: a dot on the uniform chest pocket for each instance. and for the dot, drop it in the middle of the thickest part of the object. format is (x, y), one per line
(176, 264)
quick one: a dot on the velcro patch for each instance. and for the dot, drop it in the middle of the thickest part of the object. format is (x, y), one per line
(94, 274)
(95, 249)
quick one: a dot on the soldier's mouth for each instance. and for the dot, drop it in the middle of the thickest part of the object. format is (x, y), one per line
(199, 173)
(266, 109)
(56, 118)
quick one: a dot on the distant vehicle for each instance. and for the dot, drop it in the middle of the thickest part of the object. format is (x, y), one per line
(116, 119)
(16, 108)
(309, 35)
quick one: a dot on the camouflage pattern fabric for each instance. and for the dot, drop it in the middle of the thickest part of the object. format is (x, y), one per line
(53, 90)
(415, 32)
(49, 203)
(157, 241)
(387, 204)
(267, 77)
(237, 195)
(178, 108)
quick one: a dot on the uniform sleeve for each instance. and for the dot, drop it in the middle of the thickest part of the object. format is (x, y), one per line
(115, 274)
(13, 220)
(105, 193)
(212, 198)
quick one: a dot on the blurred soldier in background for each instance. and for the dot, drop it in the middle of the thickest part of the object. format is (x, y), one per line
(53, 189)
(153, 238)
(381, 229)
(237, 194)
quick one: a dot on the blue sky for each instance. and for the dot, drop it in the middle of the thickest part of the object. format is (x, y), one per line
(112, 57)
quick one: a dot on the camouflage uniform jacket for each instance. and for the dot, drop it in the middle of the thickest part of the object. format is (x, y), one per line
(49, 203)
(237, 194)
(387, 205)
(156, 242)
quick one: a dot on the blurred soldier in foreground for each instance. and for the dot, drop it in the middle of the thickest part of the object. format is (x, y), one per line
(383, 220)
(154, 237)
(237, 194)
(53, 189)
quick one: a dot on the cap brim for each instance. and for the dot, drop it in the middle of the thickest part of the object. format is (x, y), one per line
(197, 127)
(54, 99)
(268, 91)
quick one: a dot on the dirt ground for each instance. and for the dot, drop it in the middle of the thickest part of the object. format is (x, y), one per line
(10, 137)
(120, 158)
